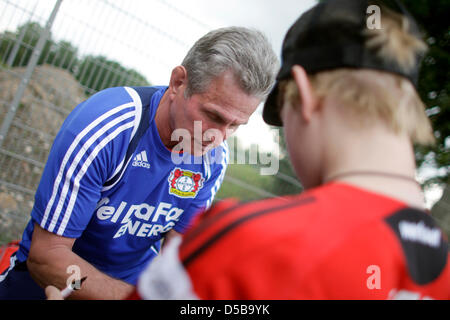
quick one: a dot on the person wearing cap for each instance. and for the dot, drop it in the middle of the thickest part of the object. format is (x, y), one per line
(132, 166)
(346, 98)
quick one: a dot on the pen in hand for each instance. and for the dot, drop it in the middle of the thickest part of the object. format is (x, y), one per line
(71, 288)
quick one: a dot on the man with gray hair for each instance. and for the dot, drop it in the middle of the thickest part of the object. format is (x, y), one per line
(346, 97)
(110, 191)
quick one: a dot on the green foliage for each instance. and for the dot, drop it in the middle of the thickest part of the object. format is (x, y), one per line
(93, 72)
(97, 73)
(286, 169)
(65, 56)
(27, 37)
(434, 84)
(252, 178)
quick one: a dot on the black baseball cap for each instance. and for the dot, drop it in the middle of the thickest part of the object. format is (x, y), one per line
(329, 36)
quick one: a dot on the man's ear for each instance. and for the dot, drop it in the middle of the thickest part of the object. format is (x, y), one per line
(178, 79)
(308, 100)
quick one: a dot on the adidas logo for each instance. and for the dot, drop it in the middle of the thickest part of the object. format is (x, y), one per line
(141, 160)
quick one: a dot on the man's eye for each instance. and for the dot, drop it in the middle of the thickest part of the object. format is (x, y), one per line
(215, 118)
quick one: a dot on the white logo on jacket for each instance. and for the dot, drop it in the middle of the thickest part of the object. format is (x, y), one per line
(146, 220)
(141, 160)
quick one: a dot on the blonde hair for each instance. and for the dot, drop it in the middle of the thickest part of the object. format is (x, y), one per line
(367, 94)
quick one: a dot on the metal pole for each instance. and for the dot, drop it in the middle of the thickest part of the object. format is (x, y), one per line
(28, 72)
(15, 50)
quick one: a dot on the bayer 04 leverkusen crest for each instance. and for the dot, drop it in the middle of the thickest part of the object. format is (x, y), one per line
(185, 183)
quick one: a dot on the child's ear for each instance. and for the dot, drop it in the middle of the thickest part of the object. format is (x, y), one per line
(308, 100)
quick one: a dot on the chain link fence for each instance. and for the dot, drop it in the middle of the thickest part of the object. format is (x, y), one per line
(55, 54)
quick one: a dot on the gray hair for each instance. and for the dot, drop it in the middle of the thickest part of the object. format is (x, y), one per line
(246, 52)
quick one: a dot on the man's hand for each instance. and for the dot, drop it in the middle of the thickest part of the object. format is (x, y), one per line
(48, 261)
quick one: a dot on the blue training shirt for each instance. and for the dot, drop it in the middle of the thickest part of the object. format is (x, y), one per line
(119, 210)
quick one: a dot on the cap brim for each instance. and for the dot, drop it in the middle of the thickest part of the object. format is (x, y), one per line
(270, 111)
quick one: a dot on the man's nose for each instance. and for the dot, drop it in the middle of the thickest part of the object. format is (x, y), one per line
(216, 135)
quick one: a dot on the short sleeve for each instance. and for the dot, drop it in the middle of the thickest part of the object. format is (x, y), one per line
(87, 150)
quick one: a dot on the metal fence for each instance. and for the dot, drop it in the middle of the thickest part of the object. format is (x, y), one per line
(53, 55)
